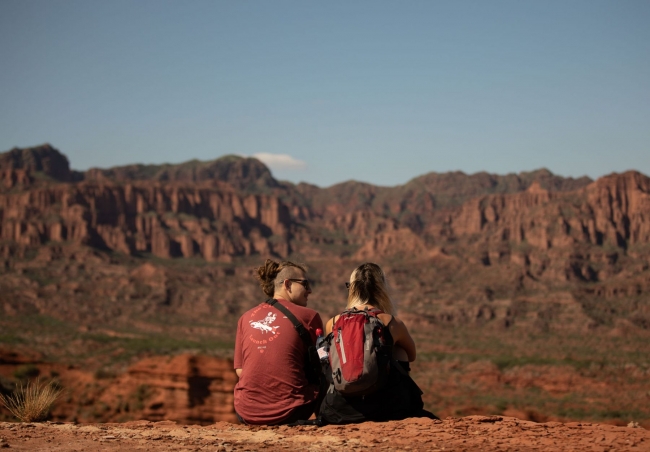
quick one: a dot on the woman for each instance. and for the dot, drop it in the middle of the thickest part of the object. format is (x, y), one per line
(400, 397)
(367, 289)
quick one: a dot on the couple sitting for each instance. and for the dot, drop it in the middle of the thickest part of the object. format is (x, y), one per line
(270, 354)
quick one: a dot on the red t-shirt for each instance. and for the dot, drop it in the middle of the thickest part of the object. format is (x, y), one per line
(272, 357)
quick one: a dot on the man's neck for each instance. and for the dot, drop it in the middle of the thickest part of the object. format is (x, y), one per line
(281, 296)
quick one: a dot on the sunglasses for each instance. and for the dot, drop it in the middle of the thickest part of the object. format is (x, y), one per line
(303, 282)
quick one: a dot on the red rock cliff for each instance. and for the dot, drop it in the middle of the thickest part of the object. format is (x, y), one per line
(167, 220)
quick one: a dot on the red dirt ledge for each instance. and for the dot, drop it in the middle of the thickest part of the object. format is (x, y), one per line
(485, 433)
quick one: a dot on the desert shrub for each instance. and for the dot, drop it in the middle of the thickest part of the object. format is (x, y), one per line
(56, 384)
(104, 374)
(6, 386)
(138, 398)
(27, 371)
(10, 338)
(31, 402)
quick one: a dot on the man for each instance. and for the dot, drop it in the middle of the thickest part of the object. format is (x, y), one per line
(269, 353)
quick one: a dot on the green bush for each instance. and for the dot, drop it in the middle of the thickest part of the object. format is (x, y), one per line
(26, 372)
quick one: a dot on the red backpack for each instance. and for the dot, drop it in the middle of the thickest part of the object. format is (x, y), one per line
(360, 352)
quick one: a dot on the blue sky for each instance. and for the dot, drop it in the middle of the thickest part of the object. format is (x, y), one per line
(325, 92)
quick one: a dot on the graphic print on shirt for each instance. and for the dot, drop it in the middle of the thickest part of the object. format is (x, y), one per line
(264, 325)
(264, 332)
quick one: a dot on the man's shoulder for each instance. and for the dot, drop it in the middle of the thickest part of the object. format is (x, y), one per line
(253, 311)
(299, 311)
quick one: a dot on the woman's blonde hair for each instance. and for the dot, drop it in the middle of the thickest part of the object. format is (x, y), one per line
(271, 274)
(368, 286)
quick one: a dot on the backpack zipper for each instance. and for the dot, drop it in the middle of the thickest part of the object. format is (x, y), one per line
(340, 340)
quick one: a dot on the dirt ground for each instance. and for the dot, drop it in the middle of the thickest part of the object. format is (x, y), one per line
(484, 433)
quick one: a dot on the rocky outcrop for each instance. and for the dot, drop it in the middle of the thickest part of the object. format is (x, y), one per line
(454, 188)
(42, 159)
(166, 220)
(189, 389)
(186, 388)
(429, 192)
(240, 172)
(619, 206)
(401, 241)
(566, 234)
(11, 178)
(19, 166)
(501, 216)
(613, 209)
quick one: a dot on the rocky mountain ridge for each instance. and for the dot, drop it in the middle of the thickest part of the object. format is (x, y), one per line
(200, 209)
(180, 210)
(574, 231)
(553, 229)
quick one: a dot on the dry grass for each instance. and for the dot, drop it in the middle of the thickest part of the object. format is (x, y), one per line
(31, 402)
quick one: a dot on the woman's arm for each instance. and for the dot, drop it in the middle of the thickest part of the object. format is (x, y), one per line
(402, 337)
(328, 326)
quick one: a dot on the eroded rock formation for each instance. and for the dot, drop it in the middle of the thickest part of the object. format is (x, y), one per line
(186, 388)
(165, 220)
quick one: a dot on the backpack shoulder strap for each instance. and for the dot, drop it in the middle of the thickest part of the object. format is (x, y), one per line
(367, 312)
(297, 324)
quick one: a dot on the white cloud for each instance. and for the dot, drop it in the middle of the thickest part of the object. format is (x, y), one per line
(280, 161)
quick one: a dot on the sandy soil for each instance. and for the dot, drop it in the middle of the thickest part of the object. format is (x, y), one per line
(485, 433)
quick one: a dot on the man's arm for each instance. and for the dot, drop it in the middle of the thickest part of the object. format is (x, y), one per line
(315, 324)
(238, 359)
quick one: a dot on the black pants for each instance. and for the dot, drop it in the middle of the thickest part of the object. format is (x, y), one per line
(398, 399)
